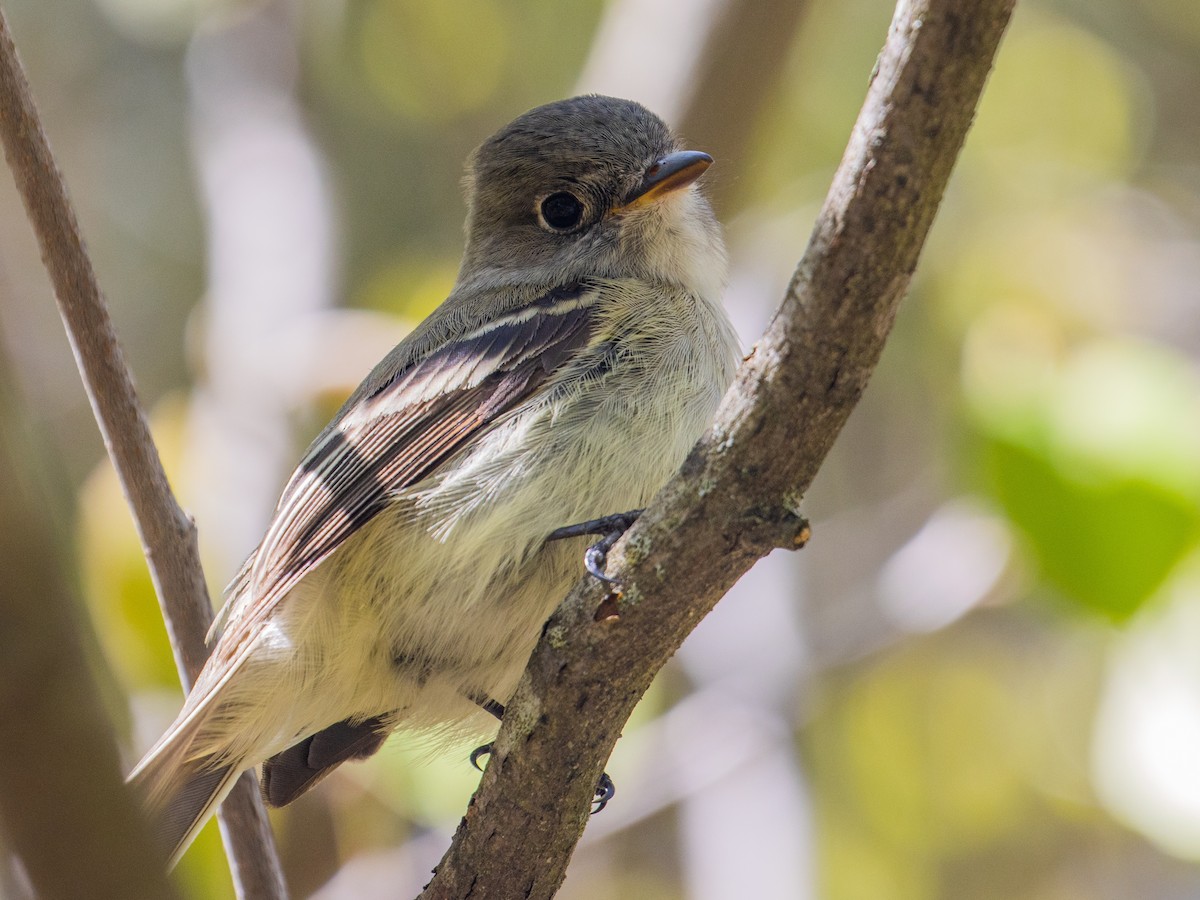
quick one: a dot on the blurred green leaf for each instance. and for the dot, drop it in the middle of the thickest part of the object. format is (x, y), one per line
(1108, 546)
(1094, 460)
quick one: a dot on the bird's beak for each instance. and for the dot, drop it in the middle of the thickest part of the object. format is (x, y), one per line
(671, 173)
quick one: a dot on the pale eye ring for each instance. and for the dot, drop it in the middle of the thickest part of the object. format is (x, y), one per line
(561, 212)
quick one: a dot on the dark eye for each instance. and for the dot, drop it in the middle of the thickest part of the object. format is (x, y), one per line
(562, 211)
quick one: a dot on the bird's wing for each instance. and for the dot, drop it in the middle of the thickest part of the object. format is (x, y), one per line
(397, 429)
(399, 433)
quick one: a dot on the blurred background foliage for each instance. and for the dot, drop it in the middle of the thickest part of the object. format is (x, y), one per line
(980, 680)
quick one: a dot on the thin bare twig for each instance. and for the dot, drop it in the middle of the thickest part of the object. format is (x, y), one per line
(167, 534)
(737, 495)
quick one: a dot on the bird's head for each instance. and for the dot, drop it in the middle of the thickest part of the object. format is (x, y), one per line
(590, 187)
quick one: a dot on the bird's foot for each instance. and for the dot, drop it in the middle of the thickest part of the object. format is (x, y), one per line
(610, 528)
(605, 789)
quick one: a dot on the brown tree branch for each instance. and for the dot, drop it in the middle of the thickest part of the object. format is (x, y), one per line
(737, 495)
(167, 533)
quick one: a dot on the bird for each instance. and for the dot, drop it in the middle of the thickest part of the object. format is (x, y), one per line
(419, 546)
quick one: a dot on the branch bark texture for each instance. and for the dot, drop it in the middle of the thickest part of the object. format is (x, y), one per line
(738, 494)
(167, 533)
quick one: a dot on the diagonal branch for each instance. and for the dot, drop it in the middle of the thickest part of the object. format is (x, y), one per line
(737, 495)
(167, 533)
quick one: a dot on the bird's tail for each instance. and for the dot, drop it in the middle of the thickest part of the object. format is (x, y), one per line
(180, 790)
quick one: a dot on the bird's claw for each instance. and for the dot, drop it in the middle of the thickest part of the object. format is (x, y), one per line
(605, 789)
(480, 752)
(595, 560)
(610, 528)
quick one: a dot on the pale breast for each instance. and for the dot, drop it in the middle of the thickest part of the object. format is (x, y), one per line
(454, 581)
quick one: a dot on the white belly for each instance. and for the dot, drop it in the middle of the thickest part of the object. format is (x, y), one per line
(441, 597)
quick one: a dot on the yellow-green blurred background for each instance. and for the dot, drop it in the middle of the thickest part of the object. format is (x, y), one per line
(982, 677)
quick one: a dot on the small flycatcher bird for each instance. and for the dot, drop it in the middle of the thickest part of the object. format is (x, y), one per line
(409, 566)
